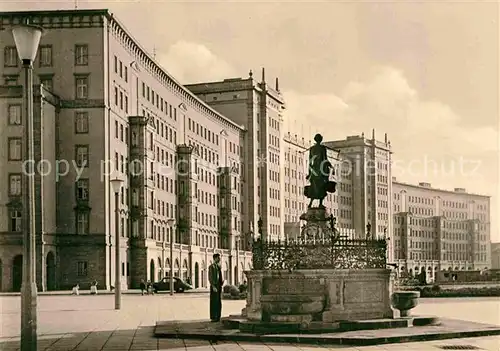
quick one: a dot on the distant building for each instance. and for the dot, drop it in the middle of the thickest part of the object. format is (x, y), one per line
(366, 174)
(437, 230)
(257, 106)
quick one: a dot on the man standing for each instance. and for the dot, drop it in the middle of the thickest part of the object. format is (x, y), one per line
(216, 282)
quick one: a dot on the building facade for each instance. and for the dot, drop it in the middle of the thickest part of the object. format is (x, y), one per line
(116, 113)
(365, 198)
(439, 230)
(258, 107)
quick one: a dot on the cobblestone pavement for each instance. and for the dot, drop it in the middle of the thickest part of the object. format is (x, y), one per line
(91, 323)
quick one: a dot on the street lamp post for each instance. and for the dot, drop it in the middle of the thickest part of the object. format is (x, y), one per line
(116, 184)
(171, 224)
(27, 39)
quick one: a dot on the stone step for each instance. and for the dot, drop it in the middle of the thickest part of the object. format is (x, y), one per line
(316, 327)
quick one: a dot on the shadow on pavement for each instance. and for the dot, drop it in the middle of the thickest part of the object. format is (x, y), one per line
(139, 339)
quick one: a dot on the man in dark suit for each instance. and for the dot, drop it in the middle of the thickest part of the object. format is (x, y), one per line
(216, 282)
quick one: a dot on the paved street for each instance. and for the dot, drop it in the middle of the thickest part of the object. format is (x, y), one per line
(91, 323)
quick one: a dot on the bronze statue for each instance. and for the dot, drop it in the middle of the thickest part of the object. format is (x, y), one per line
(319, 172)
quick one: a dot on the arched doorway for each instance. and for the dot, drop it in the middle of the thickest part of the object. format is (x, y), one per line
(168, 269)
(185, 271)
(196, 275)
(160, 270)
(50, 271)
(236, 276)
(17, 273)
(177, 268)
(152, 270)
(242, 273)
(203, 274)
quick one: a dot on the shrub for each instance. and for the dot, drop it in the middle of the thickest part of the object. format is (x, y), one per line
(436, 288)
(462, 292)
(231, 290)
(243, 288)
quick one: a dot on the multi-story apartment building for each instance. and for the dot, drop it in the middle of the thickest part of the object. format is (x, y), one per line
(259, 108)
(365, 198)
(436, 230)
(109, 110)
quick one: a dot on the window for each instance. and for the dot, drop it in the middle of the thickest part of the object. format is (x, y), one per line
(10, 80)
(82, 189)
(82, 269)
(121, 69)
(82, 223)
(15, 115)
(126, 103)
(47, 83)
(116, 96)
(15, 185)
(15, 149)
(81, 122)
(81, 55)
(10, 56)
(16, 221)
(116, 64)
(82, 87)
(45, 54)
(126, 74)
(82, 155)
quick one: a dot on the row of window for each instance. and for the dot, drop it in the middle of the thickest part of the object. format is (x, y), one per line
(45, 56)
(161, 104)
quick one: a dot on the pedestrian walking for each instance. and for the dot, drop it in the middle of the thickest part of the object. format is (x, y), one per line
(93, 288)
(76, 290)
(149, 287)
(216, 282)
(142, 286)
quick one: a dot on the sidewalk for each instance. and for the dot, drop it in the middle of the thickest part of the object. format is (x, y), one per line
(91, 323)
(103, 292)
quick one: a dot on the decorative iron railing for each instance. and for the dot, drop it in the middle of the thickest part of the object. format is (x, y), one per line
(339, 253)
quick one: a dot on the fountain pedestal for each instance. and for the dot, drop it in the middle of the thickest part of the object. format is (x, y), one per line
(319, 277)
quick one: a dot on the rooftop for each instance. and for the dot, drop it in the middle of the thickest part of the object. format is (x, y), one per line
(43, 18)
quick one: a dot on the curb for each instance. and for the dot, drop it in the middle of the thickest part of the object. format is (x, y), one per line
(317, 339)
(103, 292)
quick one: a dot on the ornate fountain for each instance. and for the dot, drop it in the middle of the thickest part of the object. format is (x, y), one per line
(320, 276)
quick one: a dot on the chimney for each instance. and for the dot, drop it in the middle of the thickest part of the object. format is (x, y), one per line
(373, 134)
(385, 137)
(250, 74)
(263, 75)
(277, 84)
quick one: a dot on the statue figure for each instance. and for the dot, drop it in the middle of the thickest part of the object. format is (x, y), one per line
(319, 173)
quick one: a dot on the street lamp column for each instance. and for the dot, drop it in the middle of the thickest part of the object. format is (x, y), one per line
(171, 225)
(116, 184)
(27, 39)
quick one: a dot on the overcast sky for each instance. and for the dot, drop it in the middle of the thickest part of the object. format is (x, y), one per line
(425, 73)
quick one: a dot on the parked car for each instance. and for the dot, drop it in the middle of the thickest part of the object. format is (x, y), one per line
(164, 285)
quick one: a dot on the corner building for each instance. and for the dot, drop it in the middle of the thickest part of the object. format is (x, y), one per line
(116, 113)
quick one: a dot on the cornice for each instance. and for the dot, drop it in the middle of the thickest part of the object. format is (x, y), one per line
(55, 19)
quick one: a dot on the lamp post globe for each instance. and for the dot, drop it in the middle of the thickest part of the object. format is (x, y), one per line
(116, 184)
(27, 38)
